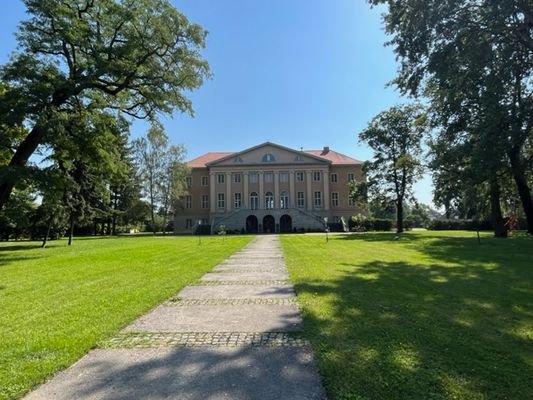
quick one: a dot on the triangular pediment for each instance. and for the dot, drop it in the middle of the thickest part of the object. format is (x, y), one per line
(269, 154)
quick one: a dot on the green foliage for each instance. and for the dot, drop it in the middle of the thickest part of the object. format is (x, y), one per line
(162, 172)
(363, 223)
(59, 303)
(474, 61)
(428, 316)
(16, 218)
(396, 137)
(138, 58)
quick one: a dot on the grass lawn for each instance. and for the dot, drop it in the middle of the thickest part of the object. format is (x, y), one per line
(429, 316)
(58, 303)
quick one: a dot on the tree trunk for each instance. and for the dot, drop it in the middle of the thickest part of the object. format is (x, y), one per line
(71, 230)
(500, 230)
(19, 160)
(399, 216)
(522, 186)
(47, 231)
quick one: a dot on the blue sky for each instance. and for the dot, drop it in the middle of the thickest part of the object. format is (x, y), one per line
(301, 73)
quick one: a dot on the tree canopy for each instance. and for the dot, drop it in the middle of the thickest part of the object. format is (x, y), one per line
(396, 137)
(135, 57)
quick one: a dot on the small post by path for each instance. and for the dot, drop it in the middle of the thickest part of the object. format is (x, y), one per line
(327, 228)
(199, 232)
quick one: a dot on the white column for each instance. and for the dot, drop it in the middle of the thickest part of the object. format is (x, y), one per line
(212, 195)
(276, 189)
(309, 195)
(326, 190)
(292, 192)
(261, 190)
(229, 199)
(245, 195)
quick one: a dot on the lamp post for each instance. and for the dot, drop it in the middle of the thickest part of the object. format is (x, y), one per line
(199, 231)
(327, 228)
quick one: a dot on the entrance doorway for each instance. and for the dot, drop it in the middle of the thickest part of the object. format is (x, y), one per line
(251, 224)
(285, 224)
(269, 225)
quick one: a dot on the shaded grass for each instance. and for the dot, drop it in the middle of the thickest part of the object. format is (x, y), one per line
(429, 316)
(58, 303)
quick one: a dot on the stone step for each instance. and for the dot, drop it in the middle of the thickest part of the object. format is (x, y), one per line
(216, 318)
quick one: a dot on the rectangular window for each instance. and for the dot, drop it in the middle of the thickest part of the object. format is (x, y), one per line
(237, 178)
(351, 201)
(317, 200)
(188, 201)
(334, 199)
(284, 177)
(220, 178)
(299, 177)
(188, 181)
(205, 201)
(333, 178)
(300, 200)
(205, 221)
(351, 177)
(220, 200)
(205, 181)
(253, 177)
(269, 177)
(316, 176)
(237, 200)
(188, 223)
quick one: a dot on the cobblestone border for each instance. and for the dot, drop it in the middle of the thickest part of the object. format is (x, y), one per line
(246, 283)
(179, 302)
(252, 269)
(198, 339)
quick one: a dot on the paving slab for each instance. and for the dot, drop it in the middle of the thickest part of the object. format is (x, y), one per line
(237, 292)
(254, 263)
(207, 373)
(245, 276)
(244, 268)
(219, 318)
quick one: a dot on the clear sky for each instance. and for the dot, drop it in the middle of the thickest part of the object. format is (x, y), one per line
(300, 73)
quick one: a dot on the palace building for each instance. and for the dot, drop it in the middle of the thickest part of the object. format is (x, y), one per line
(268, 189)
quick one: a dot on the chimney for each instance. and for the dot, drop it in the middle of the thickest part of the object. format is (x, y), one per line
(325, 151)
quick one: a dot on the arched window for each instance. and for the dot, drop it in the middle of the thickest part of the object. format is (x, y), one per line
(269, 200)
(254, 201)
(284, 200)
(268, 158)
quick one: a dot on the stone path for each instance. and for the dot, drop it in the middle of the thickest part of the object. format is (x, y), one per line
(231, 335)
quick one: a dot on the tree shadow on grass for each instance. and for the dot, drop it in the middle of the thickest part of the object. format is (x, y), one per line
(396, 330)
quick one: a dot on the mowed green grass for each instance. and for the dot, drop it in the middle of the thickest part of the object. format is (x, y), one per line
(57, 303)
(429, 316)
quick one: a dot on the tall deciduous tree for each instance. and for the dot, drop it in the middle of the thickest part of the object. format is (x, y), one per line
(138, 57)
(396, 137)
(162, 172)
(474, 59)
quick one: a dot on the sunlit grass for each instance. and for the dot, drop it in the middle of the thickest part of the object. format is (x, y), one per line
(433, 315)
(57, 303)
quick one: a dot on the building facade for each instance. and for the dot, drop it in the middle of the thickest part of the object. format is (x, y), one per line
(267, 189)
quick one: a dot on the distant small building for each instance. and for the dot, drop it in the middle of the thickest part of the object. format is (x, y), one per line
(268, 188)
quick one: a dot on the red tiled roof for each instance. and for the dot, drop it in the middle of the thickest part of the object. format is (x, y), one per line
(335, 157)
(200, 162)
